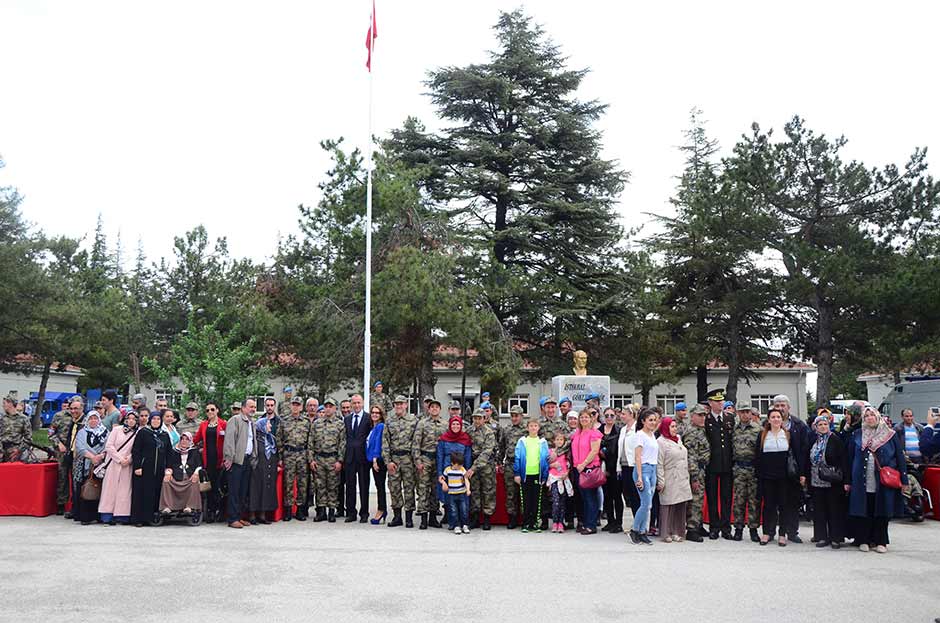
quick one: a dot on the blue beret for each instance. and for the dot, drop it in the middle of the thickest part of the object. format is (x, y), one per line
(486, 405)
(564, 399)
(592, 396)
(681, 407)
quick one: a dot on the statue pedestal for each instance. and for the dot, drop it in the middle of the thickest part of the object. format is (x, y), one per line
(578, 387)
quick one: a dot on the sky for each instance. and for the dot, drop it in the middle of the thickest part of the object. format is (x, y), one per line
(161, 116)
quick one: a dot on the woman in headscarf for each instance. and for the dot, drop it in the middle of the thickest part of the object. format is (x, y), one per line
(89, 453)
(872, 504)
(454, 439)
(151, 446)
(180, 489)
(826, 472)
(672, 481)
(115, 504)
(262, 492)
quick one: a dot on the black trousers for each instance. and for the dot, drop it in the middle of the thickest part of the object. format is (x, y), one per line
(628, 486)
(613, 502)
(795, 498)
(532, 506)
(828, 513)
(777, 505)
(870, 529)
(357, 472)
(378, 477)
(238, 478)
(719, 516)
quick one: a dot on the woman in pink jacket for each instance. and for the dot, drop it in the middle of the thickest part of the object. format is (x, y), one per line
(115, 502)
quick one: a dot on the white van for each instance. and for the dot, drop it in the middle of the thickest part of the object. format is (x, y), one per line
(918, 396)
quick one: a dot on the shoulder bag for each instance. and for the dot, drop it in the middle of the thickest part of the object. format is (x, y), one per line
(101, 469)
(592, 478)
(827, 473)
(889, 476)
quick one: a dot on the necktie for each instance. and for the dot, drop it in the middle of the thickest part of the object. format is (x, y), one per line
(355, 423)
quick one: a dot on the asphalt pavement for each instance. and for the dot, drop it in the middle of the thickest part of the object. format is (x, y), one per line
(56, 570)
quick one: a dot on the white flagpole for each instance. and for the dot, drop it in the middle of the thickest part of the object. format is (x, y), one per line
(367, 354)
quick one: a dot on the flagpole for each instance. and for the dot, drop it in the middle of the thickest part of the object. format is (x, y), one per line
(367, 354)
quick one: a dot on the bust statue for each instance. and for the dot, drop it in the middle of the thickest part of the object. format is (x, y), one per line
(580, 363)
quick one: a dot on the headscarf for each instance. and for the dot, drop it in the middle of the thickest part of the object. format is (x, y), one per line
(159, 416)
(873, 437)
(664, 430)
(127, 428)
(818, 450)
(182, 452)
(270, 447)
(460, 437)
(94, 436)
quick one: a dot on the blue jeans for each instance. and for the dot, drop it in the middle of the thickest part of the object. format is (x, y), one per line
(458, 510)
(641, 521)
(591, 501)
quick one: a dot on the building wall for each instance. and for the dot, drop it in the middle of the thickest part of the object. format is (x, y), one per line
(20, 385)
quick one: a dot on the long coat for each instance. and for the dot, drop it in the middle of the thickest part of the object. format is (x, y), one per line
(116, 487)
(672, 472)
(888, 502)
(149, 454)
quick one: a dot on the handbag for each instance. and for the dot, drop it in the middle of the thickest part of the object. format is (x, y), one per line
(889, 476)
(100, 471)
(793, 468)
(91, 489)
(592, 478)
(205, 485)
(830, 474)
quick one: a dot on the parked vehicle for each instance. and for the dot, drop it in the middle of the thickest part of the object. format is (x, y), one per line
(917, 395)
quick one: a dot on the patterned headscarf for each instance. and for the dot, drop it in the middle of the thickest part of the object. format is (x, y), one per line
(873, 437)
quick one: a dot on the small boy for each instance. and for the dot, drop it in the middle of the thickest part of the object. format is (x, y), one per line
(456, 485)
(530, 470)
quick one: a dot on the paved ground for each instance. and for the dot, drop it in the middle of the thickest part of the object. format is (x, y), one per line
(303, 571)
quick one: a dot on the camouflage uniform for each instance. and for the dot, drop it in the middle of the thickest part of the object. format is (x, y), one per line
(292, 437)
(548, 427)
(682, 427)
(483, 480)
(15, 435)
(744, 451)
(397, 439)
(424, 453)
(186, 425)
(511, 434)
(326, 446)
(59, 433)
(699, 452)
(383, 399)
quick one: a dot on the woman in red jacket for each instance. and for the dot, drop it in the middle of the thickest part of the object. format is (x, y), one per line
(209, 438)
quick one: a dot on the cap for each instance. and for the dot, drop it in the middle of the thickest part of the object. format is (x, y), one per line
(743, 406)
(192, 405)
(236, 405)
(478, 413)
(296, 400)
(400, 398)
(717, 395)
(572, 415)
(377, 383)
(432, 401)
(516, 409)
(699, 409)
(429, 398)
(139, 397)
(486, 405)
(680, 406)
(564, 399)
(328, 401)
(593, 396)
(454, 404)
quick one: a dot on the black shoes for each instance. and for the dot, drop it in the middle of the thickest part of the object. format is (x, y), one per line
(396, 519)
(424, 522)
(795, 539)
(726, 535)
(301, 513)
(432, 521)
(321, 515)
(544, 525)
(288, 514)
(754, 536)
(738, 534)
(512, 524)
(331, 516)
(635, 537)
(349, 519)
(486, 522)
(645, 540)
(409, 522)
(692, 535)
(713, 535)
(822, 544)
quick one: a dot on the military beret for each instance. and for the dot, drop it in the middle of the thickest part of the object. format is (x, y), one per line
(485, 395)
(296, 400)
(564, 399)
(329, 401)
(454, 404)
(400, 398)
(680, 406)
(544, 400)
(592, 396)
(376, 384)
(288, 390)
(486, 405)
(717, 395)
(516, 409)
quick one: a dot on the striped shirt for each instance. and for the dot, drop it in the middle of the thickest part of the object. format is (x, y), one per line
(911, 442)
(456, 478)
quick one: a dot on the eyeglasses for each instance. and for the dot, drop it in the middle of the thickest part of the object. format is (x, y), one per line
(593, 412)
(210, 409)
(609, 414)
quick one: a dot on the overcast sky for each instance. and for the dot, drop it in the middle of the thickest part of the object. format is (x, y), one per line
(164, 115)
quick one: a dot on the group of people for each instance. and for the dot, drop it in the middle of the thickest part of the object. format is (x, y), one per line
(564, 469)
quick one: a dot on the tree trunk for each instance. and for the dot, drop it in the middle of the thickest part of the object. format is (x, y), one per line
(463, 383)
(645, 394)
(36, 422)
(733, 357)
(701, 383)
(824, 348)
(426, 378)
(897, 377)
(135, 371)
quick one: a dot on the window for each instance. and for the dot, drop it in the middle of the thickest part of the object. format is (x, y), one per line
(173, 397)
(762, 402)
(415, 405)
(259, 402)
(620, 401)
(668, 402)
(520, 400)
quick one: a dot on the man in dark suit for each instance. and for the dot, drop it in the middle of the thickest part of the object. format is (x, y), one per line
(358, 424)
(719, 429)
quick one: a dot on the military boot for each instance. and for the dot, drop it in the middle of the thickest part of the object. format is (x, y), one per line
(693, 535)
(432, 520)
(424, 521)
(409, 519)
(738, 534)
(396, 519)
(512, 523)
(321, 514)
(288, 513)
(331, 516)
(474, 521)
(486, 522)
(754, 536)
(301, 513)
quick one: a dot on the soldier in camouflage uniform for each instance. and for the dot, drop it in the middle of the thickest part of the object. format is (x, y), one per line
(292, 437)
(190, 421)
(699, 452)
(379, 397)
(744, 451)
(682, 419)
(15, 432)
(60, 431)
(424, 453)
(509, 435)
(397, 441)
(283, 408)
(482, 472)
(326, 448)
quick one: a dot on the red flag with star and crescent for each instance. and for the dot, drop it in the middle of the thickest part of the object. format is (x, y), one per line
(370, 38)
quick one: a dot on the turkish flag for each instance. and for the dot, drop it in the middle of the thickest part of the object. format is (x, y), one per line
(370, 38)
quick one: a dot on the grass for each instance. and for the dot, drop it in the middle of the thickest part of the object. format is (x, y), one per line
(41, 437)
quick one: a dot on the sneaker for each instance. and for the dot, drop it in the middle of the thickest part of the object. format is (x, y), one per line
(525, 529)
(882, 549)
(645, 540)
(635, 537)
(863, 547)
(561, 528)
(457, 530)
